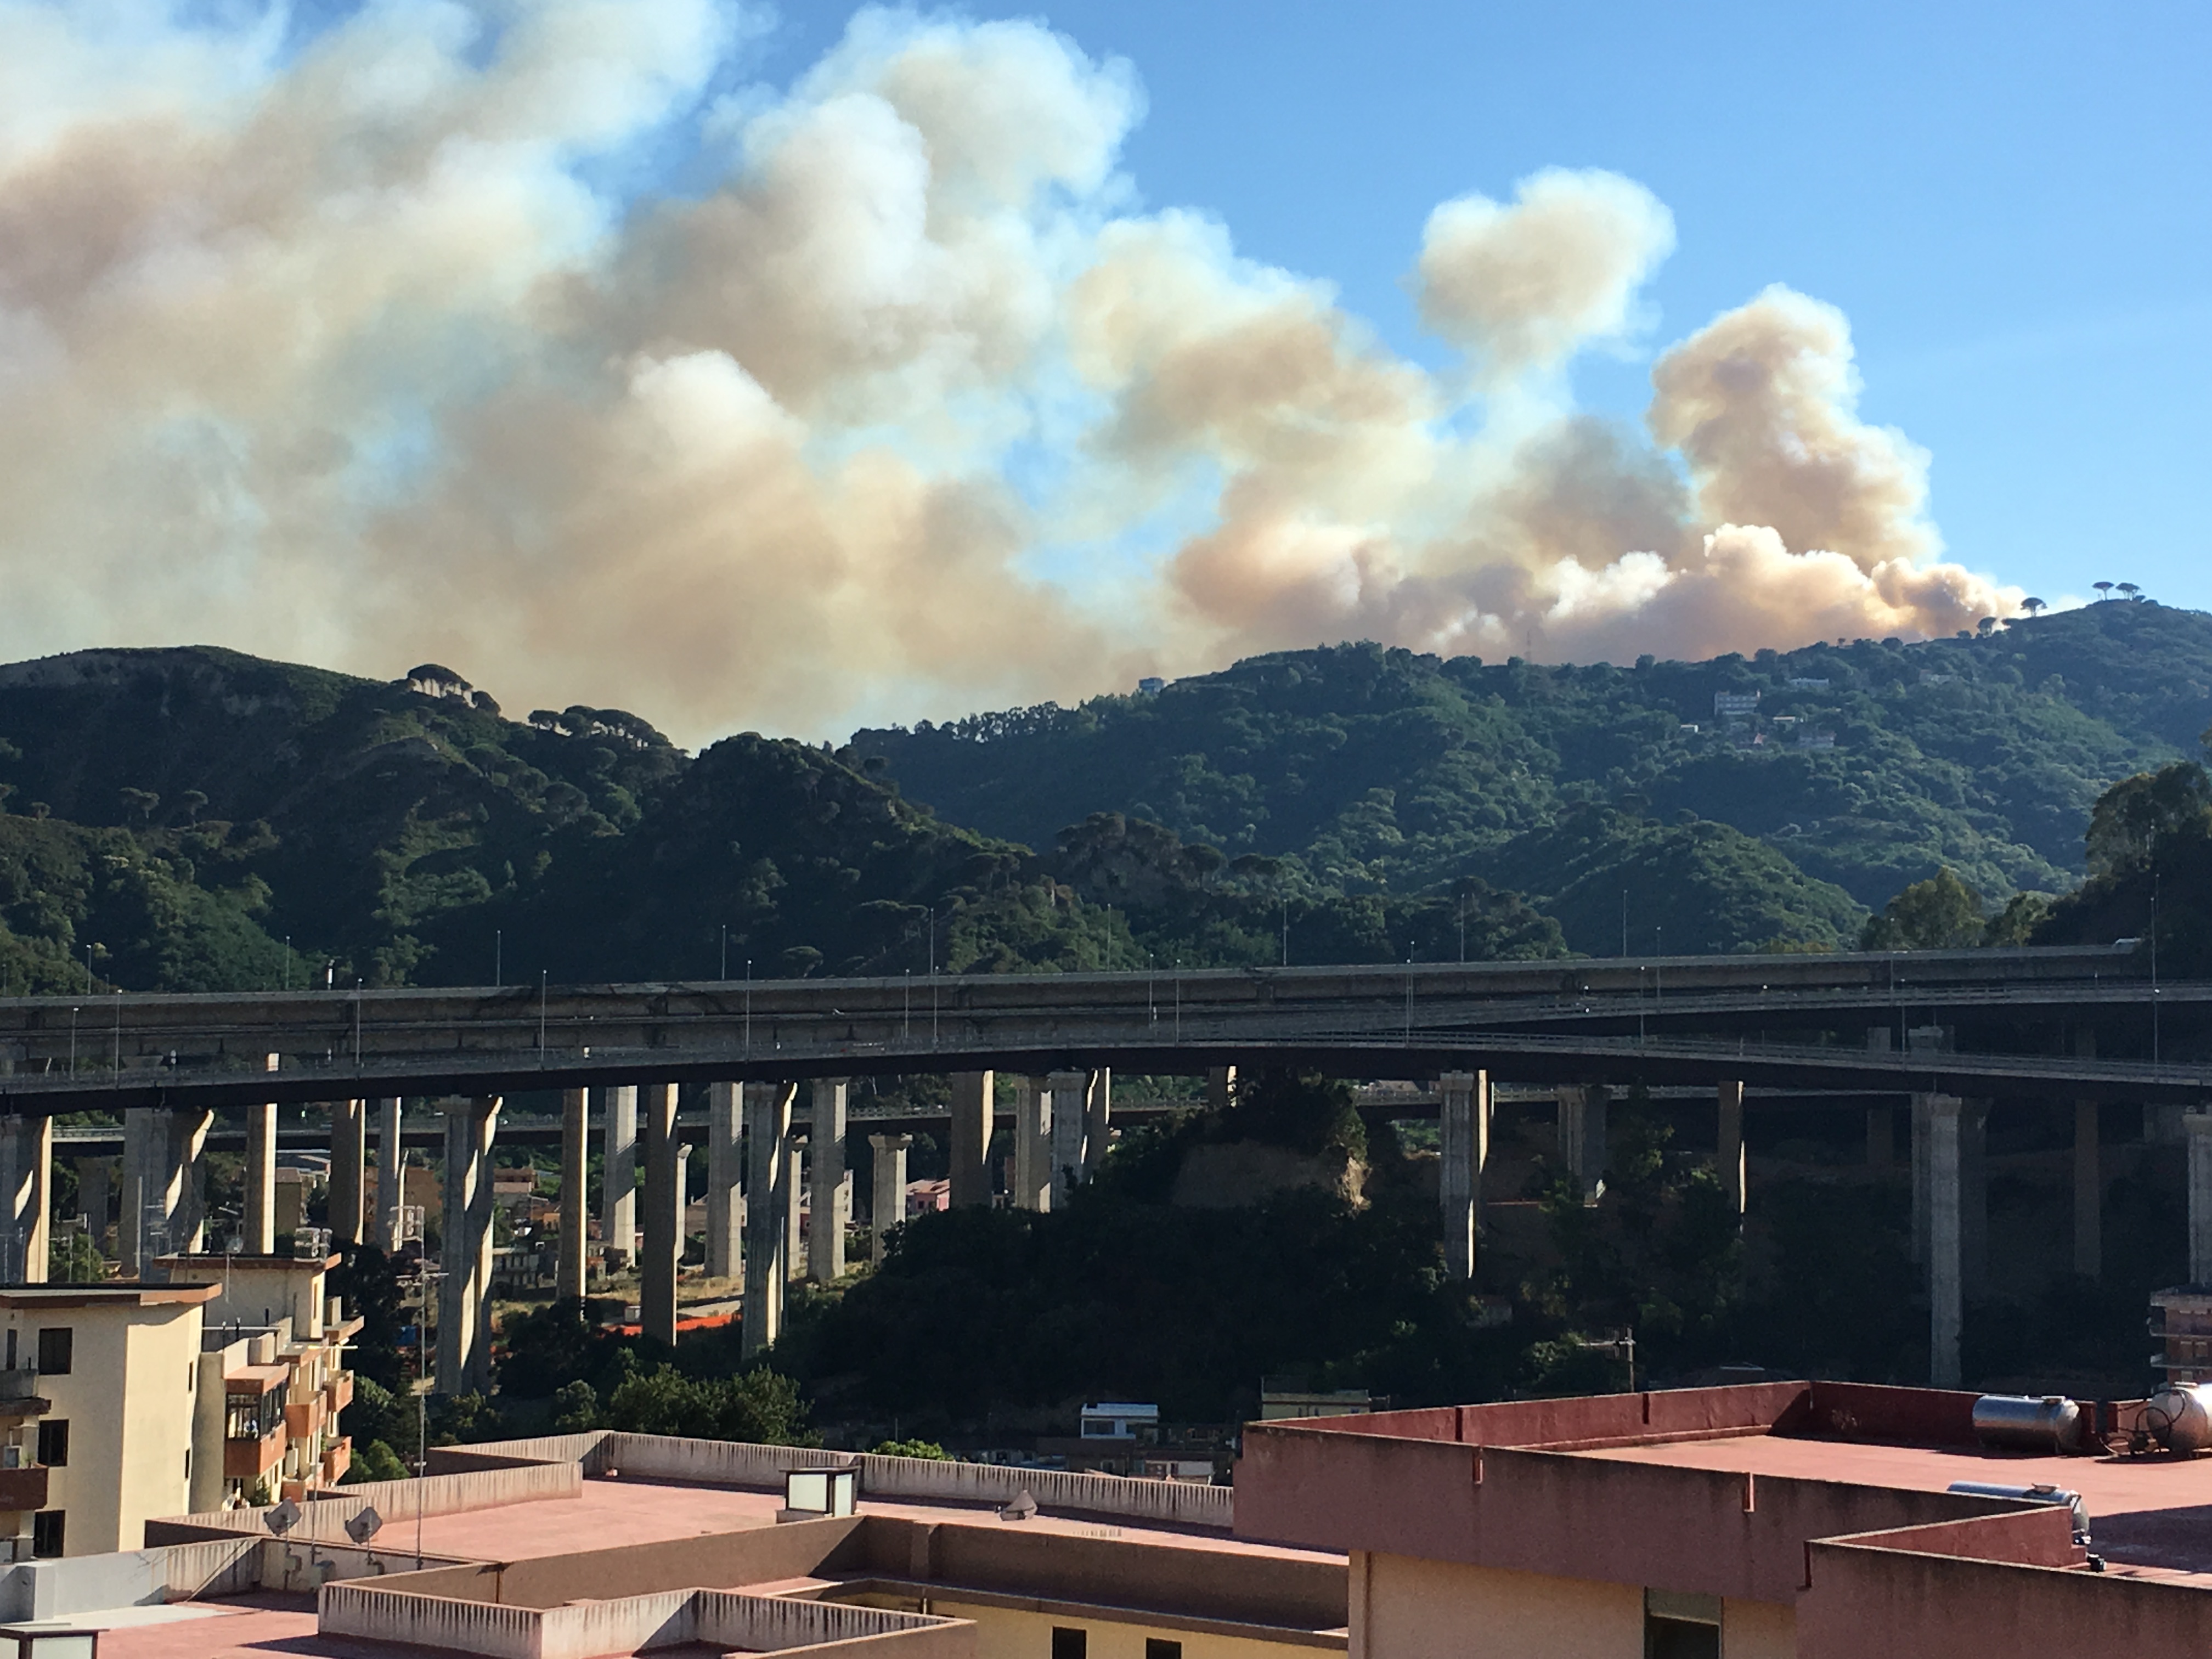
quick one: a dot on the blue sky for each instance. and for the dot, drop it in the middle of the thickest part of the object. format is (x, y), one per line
(2011, 203)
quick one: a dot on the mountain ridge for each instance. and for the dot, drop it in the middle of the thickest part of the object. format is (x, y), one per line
(226, 816)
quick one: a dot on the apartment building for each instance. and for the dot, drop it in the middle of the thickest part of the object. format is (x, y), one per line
(272, 1379)
(101, 1380)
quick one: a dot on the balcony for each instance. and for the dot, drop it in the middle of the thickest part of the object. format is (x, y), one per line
(337, 1460)
(249, 1459)
(303, 1419)
(23, 1489)
(340, 1393)
(19, 1395)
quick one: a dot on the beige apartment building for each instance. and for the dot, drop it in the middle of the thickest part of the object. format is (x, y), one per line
(99, 1430)
(272, 1376)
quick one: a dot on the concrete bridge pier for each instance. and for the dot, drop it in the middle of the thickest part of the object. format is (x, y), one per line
(1068, 1117)
(1098, 1120)
(618, 1177)
(2088, 1192)
(663, 1247)
(1974, 1197)
(767, 1130)
(2088, 1174)
(1464, 1120)
(1220, 1083)
(1881, 1137)
(725, 1160)
(465, 1293)
(794, 1183)
(1920, 1186)
(1730, 1160)
(887, 1206)
(1032, 1144)
(391, 1159)
(257, 1230)
(831, 1196)
(572, 1273)
(972, 1107)
(2197, 1126)
(1946, 1280)
(26, 1164)
(1582, 1112)
(184, 1180)
(134, 1182)
(95, 1182)
(349, 1166)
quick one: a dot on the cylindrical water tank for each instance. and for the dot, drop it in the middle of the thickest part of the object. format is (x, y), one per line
(2047, 1422)
(2180, 1418)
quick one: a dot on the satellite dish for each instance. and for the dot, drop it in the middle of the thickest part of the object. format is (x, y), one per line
(282, 1519)
(364, 1525)
(1021, 1508)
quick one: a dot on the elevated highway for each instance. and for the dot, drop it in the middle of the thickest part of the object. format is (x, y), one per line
(1950, 1033)
(1983, 1021)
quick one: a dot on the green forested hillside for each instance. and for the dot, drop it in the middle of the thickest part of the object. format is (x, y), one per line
(200, 819)
(1379, 770)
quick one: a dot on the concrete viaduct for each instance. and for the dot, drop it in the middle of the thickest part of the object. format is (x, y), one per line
(1941, 1033)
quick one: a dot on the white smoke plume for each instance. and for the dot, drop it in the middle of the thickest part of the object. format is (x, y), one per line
(370, 347)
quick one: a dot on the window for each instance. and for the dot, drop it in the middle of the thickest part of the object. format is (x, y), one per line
(49, 1532)
(1158, 1648)
(1069, 1644)
(253, 1416)
(53, 1443)
(1679, 1625)
(55, 1344)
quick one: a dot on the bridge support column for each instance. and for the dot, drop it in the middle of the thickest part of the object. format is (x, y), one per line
(1098, 1120)
(971, 1137)
(572, 1274)
(349, 1164)
(1070, 1108)
(2197, 1126)
(794, 1183)
(257, 1233)
(768, 1132)
(26, 1164)
(2088, 1192)
(1464, 1118)
(391, 1161)
(618, 1180)
(830, 1198)
(1946, 1284)
(1032, 1145)
(663, 1247)
(1974, 1197)
(1881, 1137)
(1582, 1112)
(1920, 1179)
(725, 1158)
(136, 1184)
(1729, 1097)
(2163, 1126)
(183, 1196)
(95, 1182)
(1220, 1080)
(465, 1293)
(887, 1204)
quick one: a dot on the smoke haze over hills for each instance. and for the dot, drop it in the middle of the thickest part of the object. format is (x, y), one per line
(886, 393)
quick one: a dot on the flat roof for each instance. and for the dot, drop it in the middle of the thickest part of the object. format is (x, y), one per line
(215, 1262)
(2152, 1512)
(108, 1295)
(235, 1627)
(640, 1511)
